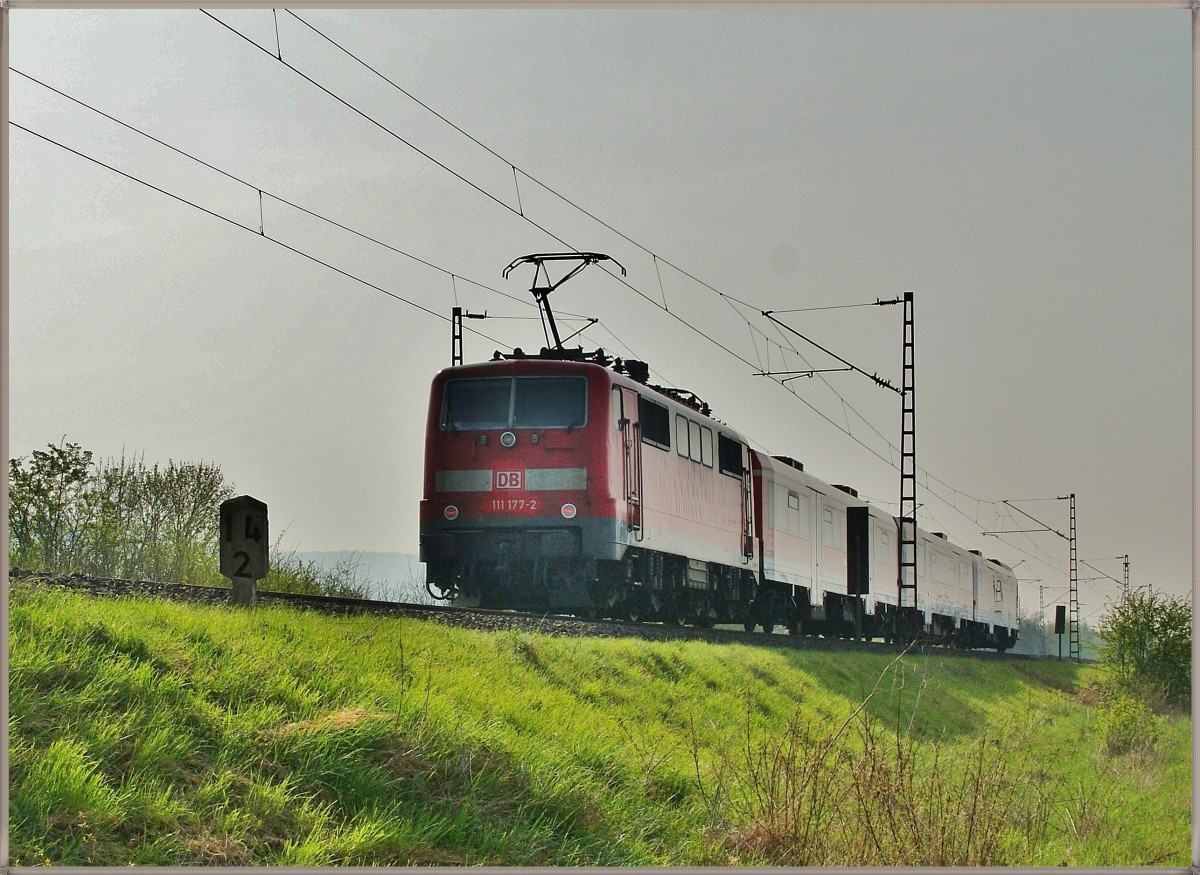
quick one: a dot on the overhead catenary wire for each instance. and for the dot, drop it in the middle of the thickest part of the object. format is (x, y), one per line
(261, 192)
(457, 175)
(889, 460)
(892, 450)
(729, 298)
(829, 307)
(237, 224)
(276, 241)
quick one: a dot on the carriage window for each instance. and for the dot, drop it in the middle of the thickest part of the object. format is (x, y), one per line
(706, 448)
(793, 501)
(655, 422)
(514, 402)
(729, 456)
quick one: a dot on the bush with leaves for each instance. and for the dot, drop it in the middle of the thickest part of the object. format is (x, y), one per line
(290, 573)
(52, 507)
(1147, 646)
(69, 513)
(1127, 724)
(116, 518)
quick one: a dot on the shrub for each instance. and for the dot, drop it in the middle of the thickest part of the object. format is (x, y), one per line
(1127, 724)
(1147, 646)
(290, 573)
(857, 794)
(122, 518)
(118, 518)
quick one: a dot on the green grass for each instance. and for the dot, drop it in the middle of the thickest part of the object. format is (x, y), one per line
(154, 733)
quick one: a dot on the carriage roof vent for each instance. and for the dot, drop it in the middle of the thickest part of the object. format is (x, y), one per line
(941, 535)
(788, 460)
(976, 552)
(850, 490)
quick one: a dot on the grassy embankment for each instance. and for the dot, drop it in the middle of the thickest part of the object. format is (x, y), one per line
(155, 733)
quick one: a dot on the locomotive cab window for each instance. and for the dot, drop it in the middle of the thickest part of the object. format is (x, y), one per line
(514, 402)
(476, 404)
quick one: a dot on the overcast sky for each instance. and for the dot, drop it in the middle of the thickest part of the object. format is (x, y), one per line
(1026, 173)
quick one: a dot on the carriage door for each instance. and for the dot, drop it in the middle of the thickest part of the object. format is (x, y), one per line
(976, 572)
(631, 438)
(858, 550)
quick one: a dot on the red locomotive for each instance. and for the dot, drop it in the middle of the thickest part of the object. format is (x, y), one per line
(565, 482)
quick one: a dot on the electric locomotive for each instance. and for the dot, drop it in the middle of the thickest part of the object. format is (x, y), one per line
(553, 484)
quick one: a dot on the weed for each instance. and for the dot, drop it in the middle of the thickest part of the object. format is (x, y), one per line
(1127, 725)
(813, 795)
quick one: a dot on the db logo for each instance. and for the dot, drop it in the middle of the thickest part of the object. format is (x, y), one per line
(510, 479)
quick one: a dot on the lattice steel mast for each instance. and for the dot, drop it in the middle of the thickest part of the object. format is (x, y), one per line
(1073, 649)
(456, 332)
(907, 549)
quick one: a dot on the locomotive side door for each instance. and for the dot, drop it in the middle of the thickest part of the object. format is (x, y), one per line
(747, 507)
(631, 437)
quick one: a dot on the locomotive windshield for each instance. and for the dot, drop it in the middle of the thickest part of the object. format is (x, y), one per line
(514, 402)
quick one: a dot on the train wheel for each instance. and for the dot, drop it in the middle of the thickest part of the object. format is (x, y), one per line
(748, 624)
(793, 627)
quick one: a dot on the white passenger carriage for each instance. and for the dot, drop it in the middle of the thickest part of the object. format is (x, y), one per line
(831, 562)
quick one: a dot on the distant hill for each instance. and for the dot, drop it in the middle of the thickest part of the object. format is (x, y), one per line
(388, 576)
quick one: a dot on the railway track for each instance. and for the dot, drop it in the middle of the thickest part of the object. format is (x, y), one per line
(483, 619)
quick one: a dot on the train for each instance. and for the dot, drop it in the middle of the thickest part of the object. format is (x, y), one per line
(566, 482)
